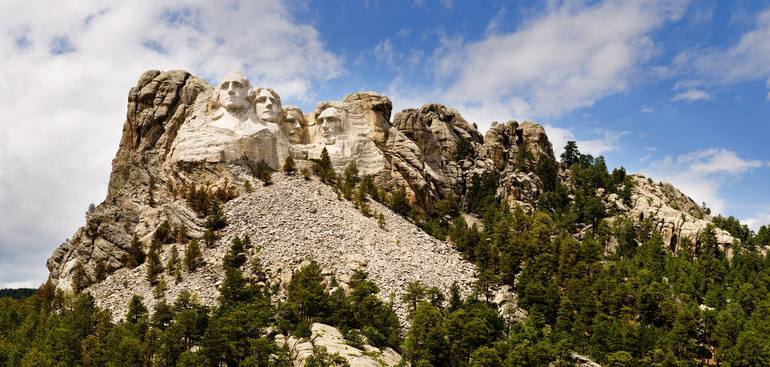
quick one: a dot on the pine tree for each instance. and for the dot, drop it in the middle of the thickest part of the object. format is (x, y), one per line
(136, 310)
(399, 203)
(173, 261)
(154, 265)
(323, 168)
(415, 292)
(164, 233)
(80, 278)
(160, 288)
(192, 255)
(100, 271)
(307, 293)
(305, 172)
(571, 154)
(351, 174)
(263, 172)
(136, 254)
(289, 167)
(216, 219)
(209, 237)
(180, 234)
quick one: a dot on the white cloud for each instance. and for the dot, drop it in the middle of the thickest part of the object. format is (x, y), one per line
(600, 49)
(692, 95)
(708, 161)
(747, 59)
(606, 141)
(648, 154)
(647, 109)
(702, 173)
(67, 71)
(385, 53)
(761, 219)
(494, 25)
(446, 4)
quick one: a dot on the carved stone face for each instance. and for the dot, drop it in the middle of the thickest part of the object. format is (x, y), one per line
(233, 92)
(267, 106)
(295, 125)
(329, 125)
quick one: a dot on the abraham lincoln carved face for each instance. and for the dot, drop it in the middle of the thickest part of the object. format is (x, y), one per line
(329, 125)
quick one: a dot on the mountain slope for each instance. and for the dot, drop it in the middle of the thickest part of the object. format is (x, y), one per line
(294, 220)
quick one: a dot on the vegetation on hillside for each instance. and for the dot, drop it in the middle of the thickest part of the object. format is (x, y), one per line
(608, 291)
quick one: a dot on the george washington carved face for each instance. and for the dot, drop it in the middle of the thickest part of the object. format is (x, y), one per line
(233, 92)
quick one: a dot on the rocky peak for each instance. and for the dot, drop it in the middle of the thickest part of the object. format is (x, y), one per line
(503, 143)
(674, 214)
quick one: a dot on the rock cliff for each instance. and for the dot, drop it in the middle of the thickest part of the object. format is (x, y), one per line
(182, 135)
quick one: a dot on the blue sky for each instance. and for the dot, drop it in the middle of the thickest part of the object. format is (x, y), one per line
(678, 90)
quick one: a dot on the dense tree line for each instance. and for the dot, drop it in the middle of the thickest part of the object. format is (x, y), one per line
(605, 289)
(616, 294)
(53, 329)
(17, 293)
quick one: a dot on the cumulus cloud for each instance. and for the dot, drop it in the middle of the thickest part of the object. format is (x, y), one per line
(692, 95)
(568, 57)
(746, 59)
(66, 74)
(702, 173)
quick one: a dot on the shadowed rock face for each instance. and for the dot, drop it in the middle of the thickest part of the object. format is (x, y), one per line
(177, 136)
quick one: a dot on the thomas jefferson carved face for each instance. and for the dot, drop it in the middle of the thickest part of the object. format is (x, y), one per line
(295, 125)
(267, 104)
(329, 125)
(233, 92)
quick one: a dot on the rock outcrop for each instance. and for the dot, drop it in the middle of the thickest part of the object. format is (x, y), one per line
(329, 340)
(674, 214)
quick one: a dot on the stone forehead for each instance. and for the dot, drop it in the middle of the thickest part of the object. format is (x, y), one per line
(291, 110)
(265, 92)
(329, 112)
(235, 76)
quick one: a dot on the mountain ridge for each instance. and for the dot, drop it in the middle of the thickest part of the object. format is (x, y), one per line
(430, 153)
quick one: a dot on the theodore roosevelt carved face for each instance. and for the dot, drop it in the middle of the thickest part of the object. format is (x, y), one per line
(329, 125)
(294, 125)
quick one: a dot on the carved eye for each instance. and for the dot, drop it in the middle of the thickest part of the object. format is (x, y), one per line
(261, 99)
(237, 85)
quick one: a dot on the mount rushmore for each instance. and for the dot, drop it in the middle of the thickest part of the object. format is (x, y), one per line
(181, 134)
